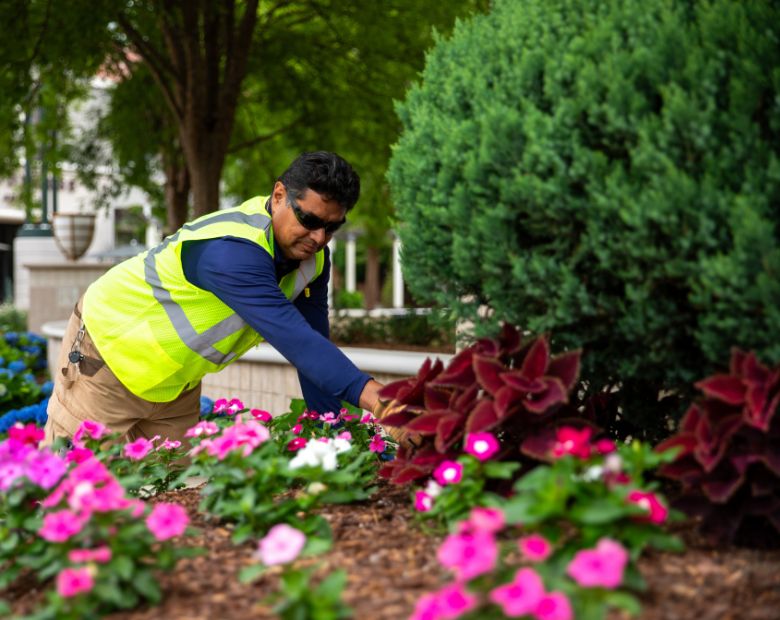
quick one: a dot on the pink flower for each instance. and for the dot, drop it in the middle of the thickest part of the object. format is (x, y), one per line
(345, 435)
(297, 429)
(94, 430)
(60, 526)
(260, 415)
(28, 434)
(569, 440)
(554, 606)
(521, 596)
(481, 445)
(330, 418)
(454, 601)
(234, 406)
(448, 472)
(78, 455)
(599, 567)
(535, 547)
(220, 405)
(45, 469)
(656, 511)
(281, 545)
(486, 519)
(605, 446)
(468, 554)
(101, 555)
(170, 445)
(167, 521)
(313, 415)
(427, 608)
(422, 501)
(377, 444)
(367, 419)
(138, 449)
(296, 444)
(202, 428)
(74, 581)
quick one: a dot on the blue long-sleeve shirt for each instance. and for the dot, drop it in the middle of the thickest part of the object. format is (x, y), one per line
(246, 278)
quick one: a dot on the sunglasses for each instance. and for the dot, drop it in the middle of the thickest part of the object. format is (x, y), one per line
(310, 221)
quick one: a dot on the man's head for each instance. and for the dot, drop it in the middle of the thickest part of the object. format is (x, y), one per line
(310, 200)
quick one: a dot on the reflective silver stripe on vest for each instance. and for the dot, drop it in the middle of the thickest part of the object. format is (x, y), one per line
(202, 344)
(306, 271)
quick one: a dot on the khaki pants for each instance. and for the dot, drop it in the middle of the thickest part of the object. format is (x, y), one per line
(90, 391)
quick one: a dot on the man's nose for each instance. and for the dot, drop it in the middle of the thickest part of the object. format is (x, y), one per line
(318, 236)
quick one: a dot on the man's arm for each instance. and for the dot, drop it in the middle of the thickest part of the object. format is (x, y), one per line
(242, 275)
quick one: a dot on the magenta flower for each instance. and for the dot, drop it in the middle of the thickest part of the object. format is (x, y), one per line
(427, 608)
(260, 415)
(599, 567)
(297, 429)
(422, 501)
(468, 554)
(27, 434)
(448, 472)
(486, 519)
(296, 444)
(45, 469)
(234, 406)
(167, 521)
(170, 445)
(605, 446)
(330, 418)
(78, 455)
(74, 581)
(344, 435)
(535, 547)
(90, 428)
(281, 545)
(101, 555)
(220, 405)
(454, 601)
(554, 606)
(202, 428)
(482, 445)
(572, 441)
(656, 511)
(138, 449)
(60, 526)
(377, 444)
(521, 596)
(367, 419)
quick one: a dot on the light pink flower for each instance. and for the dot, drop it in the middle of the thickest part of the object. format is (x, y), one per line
(101, 555)
(60, 526)
(486, 519)
(454, 601)
(468, 554)
(260, 415)
(90, 428)
(344, 435)
(281, 545)
(521, 596)
(572, 441)
(9, 474)
(138, 449)
(167, 520)
(377, 444)
(202, 428)
(448, 472)
(170, 445)
(554, 606)
(329, 417)
(535, 547)
(482, 445)
(74, 581)
(45, 469)
(422, 501)
(599, 567)
(297, 429)
(656, 511)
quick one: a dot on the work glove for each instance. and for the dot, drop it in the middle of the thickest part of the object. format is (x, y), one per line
(400, 435)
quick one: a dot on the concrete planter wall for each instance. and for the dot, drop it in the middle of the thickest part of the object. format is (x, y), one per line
(262, 378)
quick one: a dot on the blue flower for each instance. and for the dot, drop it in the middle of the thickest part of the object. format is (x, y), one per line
(47, 388)
(4, 372)
(31, 348)
(11, 337)
(206, 405)
(17, 366)
(29, 377)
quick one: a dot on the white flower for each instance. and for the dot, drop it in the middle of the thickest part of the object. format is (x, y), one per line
(320, 454)
(613, 463)
(3, 390)
(594, 472)
(433, 488)
(341, 445)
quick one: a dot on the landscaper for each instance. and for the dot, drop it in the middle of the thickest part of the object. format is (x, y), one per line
(143, 336)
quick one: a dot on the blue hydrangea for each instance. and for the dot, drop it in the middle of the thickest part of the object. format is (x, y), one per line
(17, 366)
(31, 348)
(4, 372)
(11, 337)
(206, 405)
(29, 377)
(32, 413)
(47, 388)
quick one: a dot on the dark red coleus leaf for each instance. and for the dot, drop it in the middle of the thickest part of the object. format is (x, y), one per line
(465, 402)
(753, 371)
(398, 419)
(520, 383)
(406, 474)
(508, 402)
(726, 388)
(710, 448)
(536, 360)
(721, 484)
(736, 362)
(759, 412)
(554, 394)
(691, 419)
(459, 372)
(426, 423)
(686, 470)
(683, 443)
(450, 429)
(482, 418)
(539, 445)
(488, 371)
(509, 339)
(487, 347)
(566, 367)
(437, 397)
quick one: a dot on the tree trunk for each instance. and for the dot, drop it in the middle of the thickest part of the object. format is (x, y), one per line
(371, 287)
(206, 170)
(177, 193)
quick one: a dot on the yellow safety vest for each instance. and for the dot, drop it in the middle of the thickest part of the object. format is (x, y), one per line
(158, 333)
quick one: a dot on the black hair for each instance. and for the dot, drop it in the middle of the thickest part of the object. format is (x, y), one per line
(326, 173)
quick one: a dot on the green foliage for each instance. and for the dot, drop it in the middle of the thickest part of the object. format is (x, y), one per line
(607, 171)
(12, 319)
(350, 299)
(423, 330)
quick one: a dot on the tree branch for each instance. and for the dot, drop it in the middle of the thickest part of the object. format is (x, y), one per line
(264, 138)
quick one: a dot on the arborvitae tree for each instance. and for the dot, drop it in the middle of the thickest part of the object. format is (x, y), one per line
(608, 172)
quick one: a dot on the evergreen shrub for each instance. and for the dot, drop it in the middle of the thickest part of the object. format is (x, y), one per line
(608, 172)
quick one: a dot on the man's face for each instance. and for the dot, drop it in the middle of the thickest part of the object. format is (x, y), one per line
(296, 241)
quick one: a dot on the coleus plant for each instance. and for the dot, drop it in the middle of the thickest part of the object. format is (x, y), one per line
(503, 385)
(729, 453)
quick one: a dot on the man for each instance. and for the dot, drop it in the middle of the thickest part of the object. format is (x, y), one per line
(145, 333)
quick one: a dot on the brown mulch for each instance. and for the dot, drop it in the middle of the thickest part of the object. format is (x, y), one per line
(390, 563)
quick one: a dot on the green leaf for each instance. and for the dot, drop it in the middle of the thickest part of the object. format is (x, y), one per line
(332, 586)
(598, 511)
(295, 582)
(623, 600)
(250, 573)
(147, 586)
(316, 545)
(123, 566)
(501, 470)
